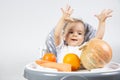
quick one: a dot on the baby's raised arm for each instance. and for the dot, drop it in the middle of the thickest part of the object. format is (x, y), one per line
(102, 21)
(61, 23)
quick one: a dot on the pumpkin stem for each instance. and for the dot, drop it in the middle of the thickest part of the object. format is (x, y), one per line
(83, 46)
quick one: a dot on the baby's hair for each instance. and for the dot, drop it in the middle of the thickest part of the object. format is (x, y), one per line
(78, 20)
(75, 20)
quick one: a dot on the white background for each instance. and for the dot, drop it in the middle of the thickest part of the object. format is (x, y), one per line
(24, 25)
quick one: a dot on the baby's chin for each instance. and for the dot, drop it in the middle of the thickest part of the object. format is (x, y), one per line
(73, 44)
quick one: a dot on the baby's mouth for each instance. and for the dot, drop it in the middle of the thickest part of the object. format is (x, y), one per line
(74, 39)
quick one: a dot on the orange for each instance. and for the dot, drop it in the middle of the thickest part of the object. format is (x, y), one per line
(49, 57)
(72, 59)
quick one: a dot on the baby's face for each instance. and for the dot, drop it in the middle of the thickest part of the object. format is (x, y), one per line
(75, 34)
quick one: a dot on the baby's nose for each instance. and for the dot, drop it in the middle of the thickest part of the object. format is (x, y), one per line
(75, 34)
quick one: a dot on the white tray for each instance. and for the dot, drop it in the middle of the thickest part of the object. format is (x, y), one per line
(35, 72)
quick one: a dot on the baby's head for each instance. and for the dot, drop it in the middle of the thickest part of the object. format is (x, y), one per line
(74, 33)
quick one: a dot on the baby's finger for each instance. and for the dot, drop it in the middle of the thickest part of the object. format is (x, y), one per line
(71, 11)
(108, 11)
(96, 15)
(67, 7)
(109, 16)
(104, 11)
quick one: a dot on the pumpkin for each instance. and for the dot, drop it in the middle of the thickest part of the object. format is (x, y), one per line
(95, 54)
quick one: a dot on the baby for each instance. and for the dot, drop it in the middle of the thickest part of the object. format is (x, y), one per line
(70, 33)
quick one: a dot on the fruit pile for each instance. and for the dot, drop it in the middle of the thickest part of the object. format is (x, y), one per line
(95, 54)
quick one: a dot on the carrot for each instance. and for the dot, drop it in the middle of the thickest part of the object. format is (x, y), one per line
(59, 66)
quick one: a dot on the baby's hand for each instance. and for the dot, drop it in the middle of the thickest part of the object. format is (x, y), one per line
(104, 15)
(67, 13)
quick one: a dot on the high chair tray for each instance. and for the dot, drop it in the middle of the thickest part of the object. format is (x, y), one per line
(111, 71)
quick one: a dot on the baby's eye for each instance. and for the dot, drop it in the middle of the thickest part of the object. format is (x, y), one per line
(79, 33)
(71, 32)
